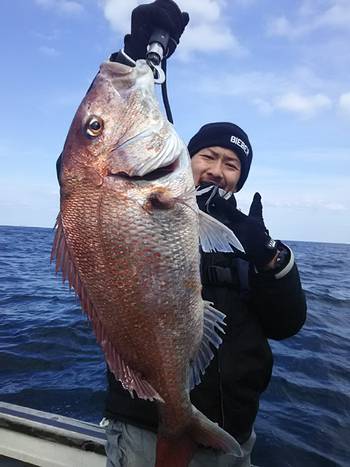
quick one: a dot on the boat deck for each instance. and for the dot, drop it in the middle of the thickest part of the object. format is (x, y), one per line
(7, 462)
(31, 437)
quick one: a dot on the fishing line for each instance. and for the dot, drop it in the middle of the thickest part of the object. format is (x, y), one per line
(165, 94)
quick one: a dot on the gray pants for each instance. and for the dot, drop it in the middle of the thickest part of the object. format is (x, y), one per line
(129, 446)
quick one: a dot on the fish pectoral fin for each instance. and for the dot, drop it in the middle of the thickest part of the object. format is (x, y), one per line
(64, 263)
(213, 322)
(130, 379)
(215, 236)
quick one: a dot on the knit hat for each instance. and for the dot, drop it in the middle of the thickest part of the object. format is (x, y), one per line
(226, 135)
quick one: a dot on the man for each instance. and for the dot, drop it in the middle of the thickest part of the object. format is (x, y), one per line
(259, 291)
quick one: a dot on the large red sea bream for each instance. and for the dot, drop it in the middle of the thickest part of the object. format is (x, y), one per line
(127, 240)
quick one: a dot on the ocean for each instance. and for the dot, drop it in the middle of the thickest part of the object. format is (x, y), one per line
(49, 359)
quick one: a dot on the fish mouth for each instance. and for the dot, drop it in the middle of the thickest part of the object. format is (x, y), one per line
(156, 174)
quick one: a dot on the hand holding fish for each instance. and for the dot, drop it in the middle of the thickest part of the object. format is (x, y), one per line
(160, 14)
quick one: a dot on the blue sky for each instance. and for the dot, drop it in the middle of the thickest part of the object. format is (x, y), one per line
(278, 69)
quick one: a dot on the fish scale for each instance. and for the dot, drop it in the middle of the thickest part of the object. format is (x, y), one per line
(119, 280)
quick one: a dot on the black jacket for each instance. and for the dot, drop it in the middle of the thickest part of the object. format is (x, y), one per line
(257, 306)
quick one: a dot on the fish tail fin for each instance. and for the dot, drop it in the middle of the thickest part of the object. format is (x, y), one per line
(209, 434)
(178, 452)
(175, 452)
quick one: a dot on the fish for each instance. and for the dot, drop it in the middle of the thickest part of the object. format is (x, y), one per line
(127, 241)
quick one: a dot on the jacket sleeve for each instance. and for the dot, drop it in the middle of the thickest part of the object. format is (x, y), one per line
(278, 300)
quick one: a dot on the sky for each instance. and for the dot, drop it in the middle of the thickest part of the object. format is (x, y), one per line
(280, 70)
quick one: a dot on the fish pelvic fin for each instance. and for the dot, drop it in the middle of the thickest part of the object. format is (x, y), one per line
(215, 236)
(178, 451)
(213, 322)
(130, 380)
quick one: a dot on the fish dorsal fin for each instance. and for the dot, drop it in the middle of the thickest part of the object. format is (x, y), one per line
(213, 322)
(130, 380)
(215, 236)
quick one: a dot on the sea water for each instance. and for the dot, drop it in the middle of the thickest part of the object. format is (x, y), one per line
(49, 359)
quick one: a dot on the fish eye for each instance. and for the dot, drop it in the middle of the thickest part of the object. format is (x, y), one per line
(94, 126)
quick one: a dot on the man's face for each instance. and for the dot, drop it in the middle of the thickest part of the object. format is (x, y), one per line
(216, 165)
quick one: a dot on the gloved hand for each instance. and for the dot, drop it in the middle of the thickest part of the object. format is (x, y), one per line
(161, 14)
(259, 247)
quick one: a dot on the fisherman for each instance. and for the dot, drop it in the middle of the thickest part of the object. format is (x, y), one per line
(259, 291)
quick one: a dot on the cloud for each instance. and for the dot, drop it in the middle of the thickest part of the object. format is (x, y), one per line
(205, 11)
(312, 16)
(312, 202)
(306, 203)
(207, 31)
(118, 14)
(310, 194)
(302, 105)
(335, 207)
(340, 156)
(344, 103)
(337, 16)
(300, 92)
(281, 26)
(246, 3)
(196, 40)
(252, 84)
(50, 36)
(62, 6)
(263, 106)
(49, 51)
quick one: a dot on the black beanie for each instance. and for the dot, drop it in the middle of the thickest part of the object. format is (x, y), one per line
(226, 135)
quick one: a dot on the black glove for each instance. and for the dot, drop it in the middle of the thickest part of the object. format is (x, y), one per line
(161, 14)
(256, 209)
(259, 247)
